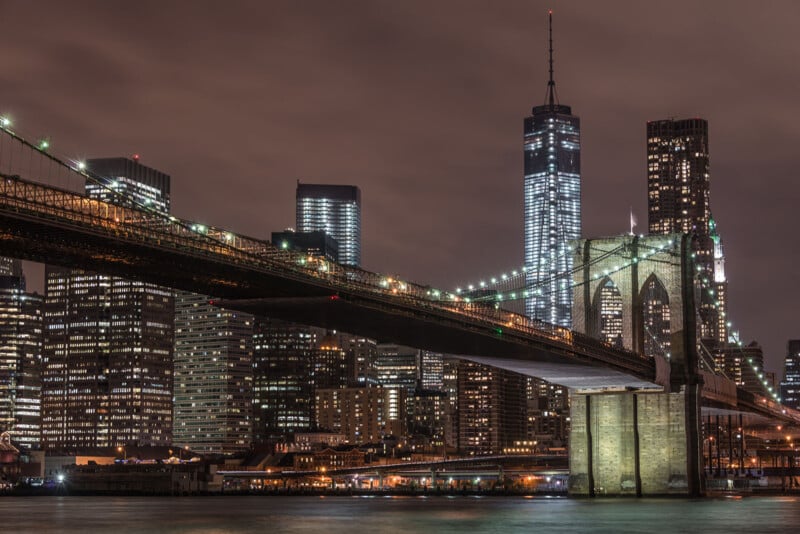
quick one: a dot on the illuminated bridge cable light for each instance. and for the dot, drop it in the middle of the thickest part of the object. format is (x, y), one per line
(738, 343)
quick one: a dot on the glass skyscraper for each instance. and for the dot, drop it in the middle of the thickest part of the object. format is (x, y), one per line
(552, 144)
(20, 357)
(107, 372)
(213, 376)
(335, 209)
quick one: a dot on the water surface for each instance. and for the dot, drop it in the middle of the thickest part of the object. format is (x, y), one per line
(362, 515)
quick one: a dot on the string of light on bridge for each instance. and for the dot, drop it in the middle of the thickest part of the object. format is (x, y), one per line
(80, 167)
(535, 290)
(738, 343)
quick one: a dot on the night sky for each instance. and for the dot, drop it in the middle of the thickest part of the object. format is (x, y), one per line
(421, 104)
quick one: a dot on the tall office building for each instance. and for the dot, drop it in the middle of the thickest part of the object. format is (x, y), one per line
(335, 209)
(283, 392)
(431, 371)
(10, 267)
(213, 376)
(362, 414)
(108, 343)
(678, 200)
(397, 366)
(20, 358)
(552, 185)
(719, 326)
(790, 387)
(492, 408)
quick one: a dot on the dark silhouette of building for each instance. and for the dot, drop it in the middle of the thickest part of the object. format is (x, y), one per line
(316, 243)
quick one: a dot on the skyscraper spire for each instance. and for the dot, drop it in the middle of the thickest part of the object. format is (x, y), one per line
(551, 84)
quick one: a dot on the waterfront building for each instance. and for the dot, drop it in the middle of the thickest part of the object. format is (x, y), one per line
(20, 358)
(790, 387)
(108, 342)
(552, 196)
(336, 210)
(213, 376)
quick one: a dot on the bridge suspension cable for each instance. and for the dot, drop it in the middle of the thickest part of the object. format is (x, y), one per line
(758, 373)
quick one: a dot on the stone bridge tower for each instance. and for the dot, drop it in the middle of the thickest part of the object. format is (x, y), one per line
(638, 293)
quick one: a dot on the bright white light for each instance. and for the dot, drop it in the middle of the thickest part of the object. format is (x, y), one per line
(5, 121)
(81, 165)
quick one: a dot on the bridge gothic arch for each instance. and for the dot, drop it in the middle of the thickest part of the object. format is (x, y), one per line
(607, 313)
(656, 332)
(647, 273)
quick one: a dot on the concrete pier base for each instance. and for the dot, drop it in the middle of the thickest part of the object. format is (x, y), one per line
(631, 444)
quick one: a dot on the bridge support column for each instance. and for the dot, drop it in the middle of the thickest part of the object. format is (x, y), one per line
(633, 444)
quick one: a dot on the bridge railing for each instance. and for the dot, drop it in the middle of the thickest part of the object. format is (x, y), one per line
(163, 231)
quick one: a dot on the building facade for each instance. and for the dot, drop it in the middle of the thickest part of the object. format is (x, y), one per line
(213, 376)
(20, 360)
(790, 387)
(107, 373)
(362, 414)
(316, 243)
(552, 196)
(336, 210)
(492, 409)
(679, 201)
(283, 392)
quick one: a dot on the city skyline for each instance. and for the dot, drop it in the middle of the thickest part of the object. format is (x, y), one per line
(427, 121)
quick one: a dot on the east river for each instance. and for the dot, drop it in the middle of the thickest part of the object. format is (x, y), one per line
(362, 515)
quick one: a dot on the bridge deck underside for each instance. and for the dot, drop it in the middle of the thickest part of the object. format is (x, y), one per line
(478, 345)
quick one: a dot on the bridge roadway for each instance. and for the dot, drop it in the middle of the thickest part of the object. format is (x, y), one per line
(456, 468)
(46, 224)
(51, 225)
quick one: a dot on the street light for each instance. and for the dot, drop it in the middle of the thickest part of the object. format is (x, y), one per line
(124, 453)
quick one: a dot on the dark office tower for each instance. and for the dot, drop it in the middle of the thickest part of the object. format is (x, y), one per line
(431, 371)
(333, 366)
(283, 392)
(316, 243)
(397, 366)
(790, 387)
(450, 386)
(335, 209)
(492, 408)
(213, 376)
(128, 182)
(678, 198)
(108, 346)
(20, 361)
(552, 143)
(362, 353)
(678, 176)
(10, 267)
